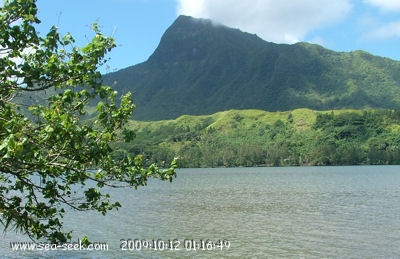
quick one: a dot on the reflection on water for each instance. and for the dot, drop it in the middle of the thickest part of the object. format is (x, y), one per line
(275, 212)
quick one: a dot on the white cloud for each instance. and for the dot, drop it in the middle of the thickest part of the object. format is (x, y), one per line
(386, 31)
(386, 5)
(378, 26)
(283, 21)
(193, 8)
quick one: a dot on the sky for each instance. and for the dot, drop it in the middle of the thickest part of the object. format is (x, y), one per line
(137, 25)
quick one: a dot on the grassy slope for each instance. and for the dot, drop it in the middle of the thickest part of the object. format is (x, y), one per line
(256, 137)
(225, 122)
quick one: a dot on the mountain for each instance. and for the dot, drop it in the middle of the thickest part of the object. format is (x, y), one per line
(202, 68)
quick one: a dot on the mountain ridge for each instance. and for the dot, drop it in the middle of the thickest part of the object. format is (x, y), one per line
(202, 68)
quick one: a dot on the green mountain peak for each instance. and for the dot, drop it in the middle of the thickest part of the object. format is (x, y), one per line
(200, 68)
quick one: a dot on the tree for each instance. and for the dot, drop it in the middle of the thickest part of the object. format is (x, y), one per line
(51, 157)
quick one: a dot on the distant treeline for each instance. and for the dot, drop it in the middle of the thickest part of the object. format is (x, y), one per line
(257, 138)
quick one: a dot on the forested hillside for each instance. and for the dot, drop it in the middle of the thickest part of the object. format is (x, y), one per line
(259, 138)
(202, 68)
(339, 108)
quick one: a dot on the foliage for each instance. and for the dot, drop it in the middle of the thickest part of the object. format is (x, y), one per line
(259, 138)
(46, 149)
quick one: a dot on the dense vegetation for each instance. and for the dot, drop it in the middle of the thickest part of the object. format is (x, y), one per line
(259, 138)
(47, 146)
(199, 68)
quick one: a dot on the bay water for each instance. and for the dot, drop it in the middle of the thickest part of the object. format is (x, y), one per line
(311, 212)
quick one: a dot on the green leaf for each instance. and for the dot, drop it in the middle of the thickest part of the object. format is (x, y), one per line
(48, 146)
